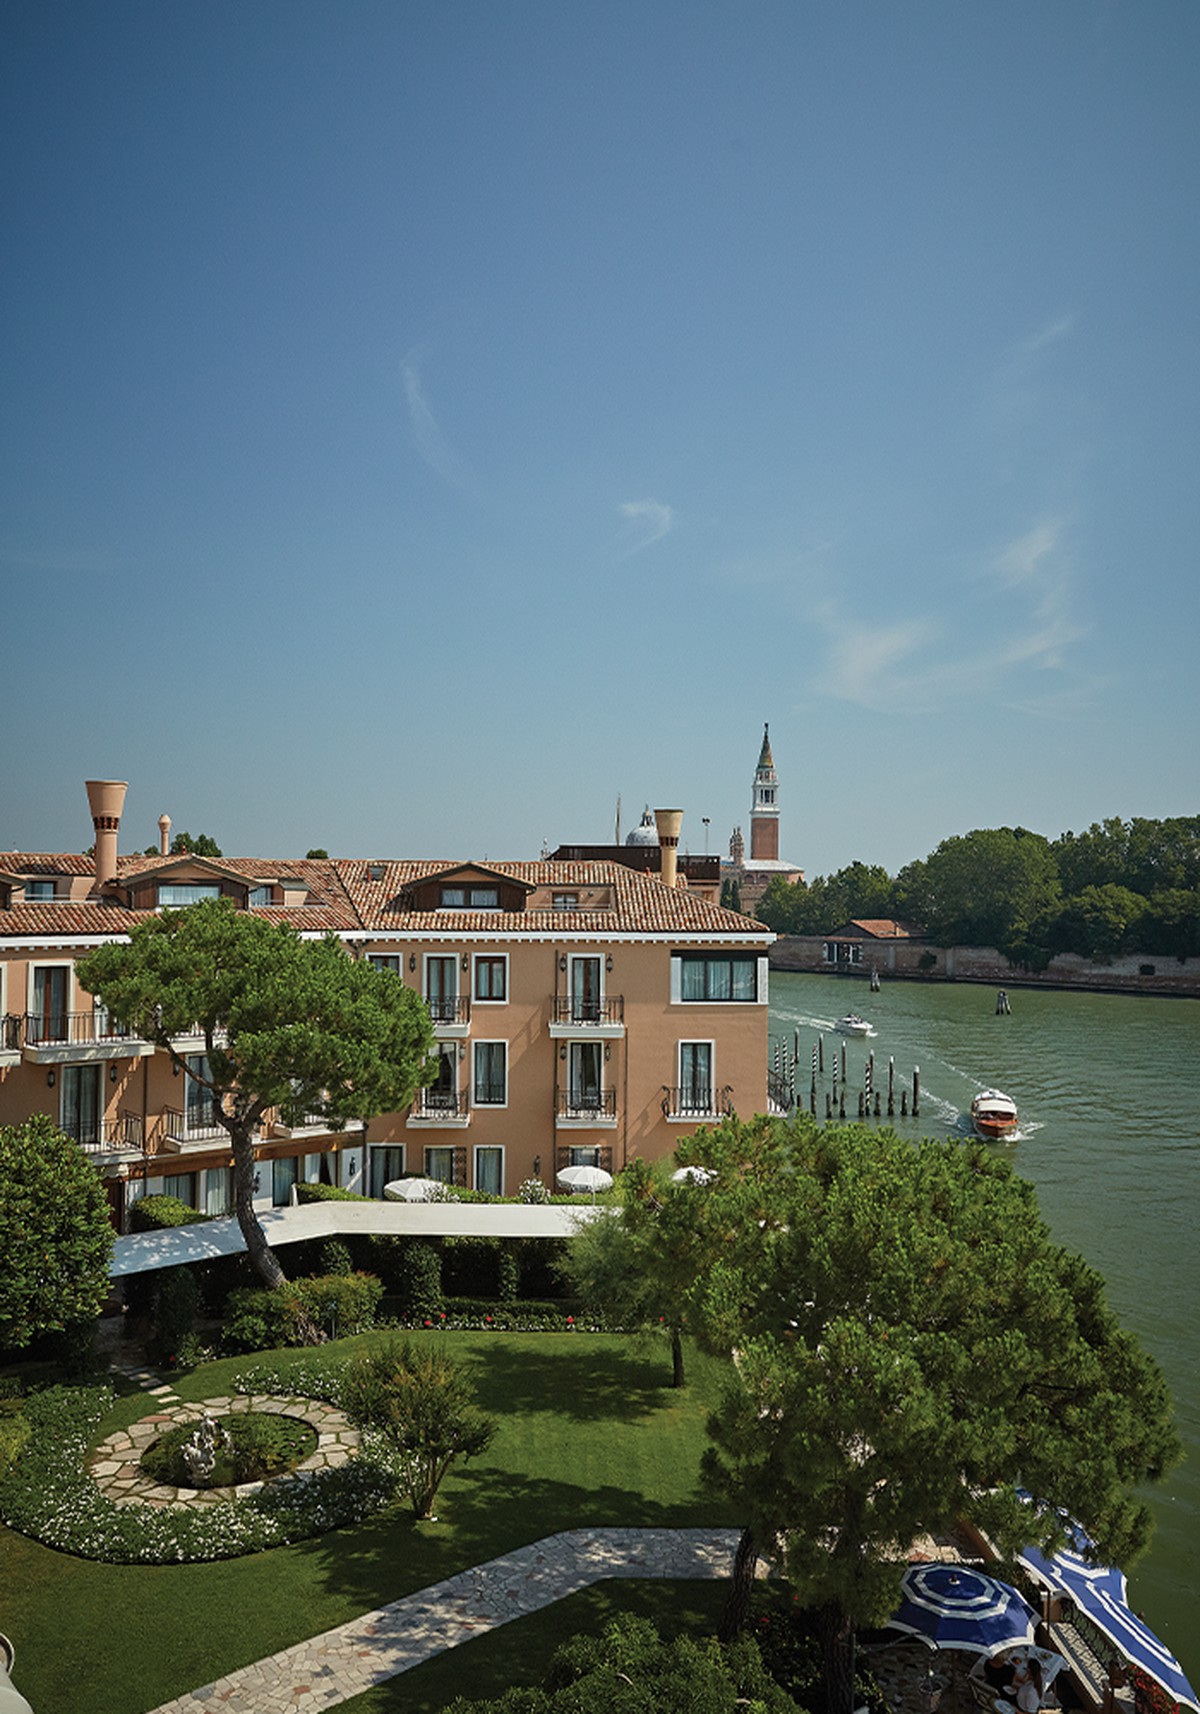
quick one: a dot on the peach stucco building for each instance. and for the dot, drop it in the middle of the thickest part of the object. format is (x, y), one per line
(585, 1012)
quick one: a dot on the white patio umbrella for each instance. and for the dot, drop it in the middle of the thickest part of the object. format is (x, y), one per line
(412, 1189)
(591, 1178)
(692, 1175)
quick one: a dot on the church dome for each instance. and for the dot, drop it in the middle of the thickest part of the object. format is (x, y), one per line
(645, 833)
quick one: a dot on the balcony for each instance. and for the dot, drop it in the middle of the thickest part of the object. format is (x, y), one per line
(585, 1109)
(602, 1020)
(10, 1038)
(292, 1121)
(451, 1018)
(440, 1107)
(120, 1136)
(697, 1105)
(197, 1128)
(56, 1038)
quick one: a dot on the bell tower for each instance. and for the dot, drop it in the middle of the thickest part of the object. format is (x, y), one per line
(764, 813)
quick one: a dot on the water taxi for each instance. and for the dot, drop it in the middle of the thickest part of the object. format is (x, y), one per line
(853, 1025)
(994, 1115)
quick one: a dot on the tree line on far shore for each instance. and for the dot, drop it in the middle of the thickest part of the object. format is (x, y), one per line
(1119, 887)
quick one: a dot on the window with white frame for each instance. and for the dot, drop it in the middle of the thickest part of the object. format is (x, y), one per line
(48, 1003)
(491, 1073)
(439, 1164)
(441, 988)
(172, 895)
(489, 1170)
(585, 1076)
(695, 1077)
(218, 1191)
(585, 989)
(491, 977)
(385, 961)
(387, 1164)
(181, 1185)
(469, 899)
(82, 1106)
(717, 978)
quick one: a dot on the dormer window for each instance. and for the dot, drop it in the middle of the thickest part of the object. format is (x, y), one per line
(174, 894)
(38, 890)
(258, 897)
(469, 899)
(566, 901)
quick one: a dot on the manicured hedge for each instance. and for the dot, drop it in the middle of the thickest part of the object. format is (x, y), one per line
(157, 1213)
(258, 1320)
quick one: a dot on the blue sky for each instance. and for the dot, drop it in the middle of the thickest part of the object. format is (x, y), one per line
(425, 422)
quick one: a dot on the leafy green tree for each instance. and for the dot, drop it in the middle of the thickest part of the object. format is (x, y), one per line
(1145, 855)
(199, 845)
(631, 1670)
(55, 1234)
(910, 1346)
(423, 1403)
(858, 890)
(637, 1261)
(1171, 925)
(987, 888)
(284, 1020)
(317, 851)
(1097, 923)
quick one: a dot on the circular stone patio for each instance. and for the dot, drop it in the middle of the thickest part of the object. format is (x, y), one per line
(115, 1466)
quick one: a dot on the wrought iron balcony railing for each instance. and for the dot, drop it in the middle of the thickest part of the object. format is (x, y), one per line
(691, 1102)
(104, 1136)
(44, 1029)
(571, 1009)
(594, 1104)
(196, 1124)
(439, 1104)
(453, 1011)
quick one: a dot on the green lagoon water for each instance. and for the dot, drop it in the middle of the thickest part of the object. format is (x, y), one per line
(1108, 1089)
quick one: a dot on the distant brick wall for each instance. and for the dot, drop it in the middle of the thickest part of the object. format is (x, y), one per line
(985, 964)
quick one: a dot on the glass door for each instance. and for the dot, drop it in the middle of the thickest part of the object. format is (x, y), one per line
(585, 990)
(441, 989)
(81, 1109)
(585, 1067)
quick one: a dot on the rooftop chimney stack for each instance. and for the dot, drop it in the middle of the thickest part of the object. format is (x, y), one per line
(164, 835)
(668, 822)
(106, 800)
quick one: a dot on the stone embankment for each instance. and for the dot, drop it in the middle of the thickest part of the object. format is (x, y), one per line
(1135, 973)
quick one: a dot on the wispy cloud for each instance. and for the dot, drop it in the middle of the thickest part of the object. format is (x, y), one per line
(881, 666)
(647, 521)
(1038, 562)
(427, 435)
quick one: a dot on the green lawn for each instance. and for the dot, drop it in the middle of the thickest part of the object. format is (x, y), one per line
(591, 1433)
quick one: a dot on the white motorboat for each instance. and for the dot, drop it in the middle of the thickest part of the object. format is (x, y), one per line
(994, 1115)
(853, 1025)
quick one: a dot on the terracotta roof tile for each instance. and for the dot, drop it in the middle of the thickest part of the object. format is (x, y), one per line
(345, 899)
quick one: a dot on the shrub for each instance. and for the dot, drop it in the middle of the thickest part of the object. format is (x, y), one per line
(532, 1190)
(326, 1193)
(176, 1306)
(419, 1278)
(341, 1303)
(508, 1274)
(14, 1432)
(258, 1320)
(335, 1257)
(156, 1213)
(423, 1403)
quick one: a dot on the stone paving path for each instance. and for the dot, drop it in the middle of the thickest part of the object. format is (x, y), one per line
(341, 1663)
(116, 1463)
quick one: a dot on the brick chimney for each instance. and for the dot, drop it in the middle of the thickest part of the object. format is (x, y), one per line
(106, 799)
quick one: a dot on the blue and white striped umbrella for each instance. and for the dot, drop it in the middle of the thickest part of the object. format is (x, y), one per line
(1099, 1592)
(957, 1607)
